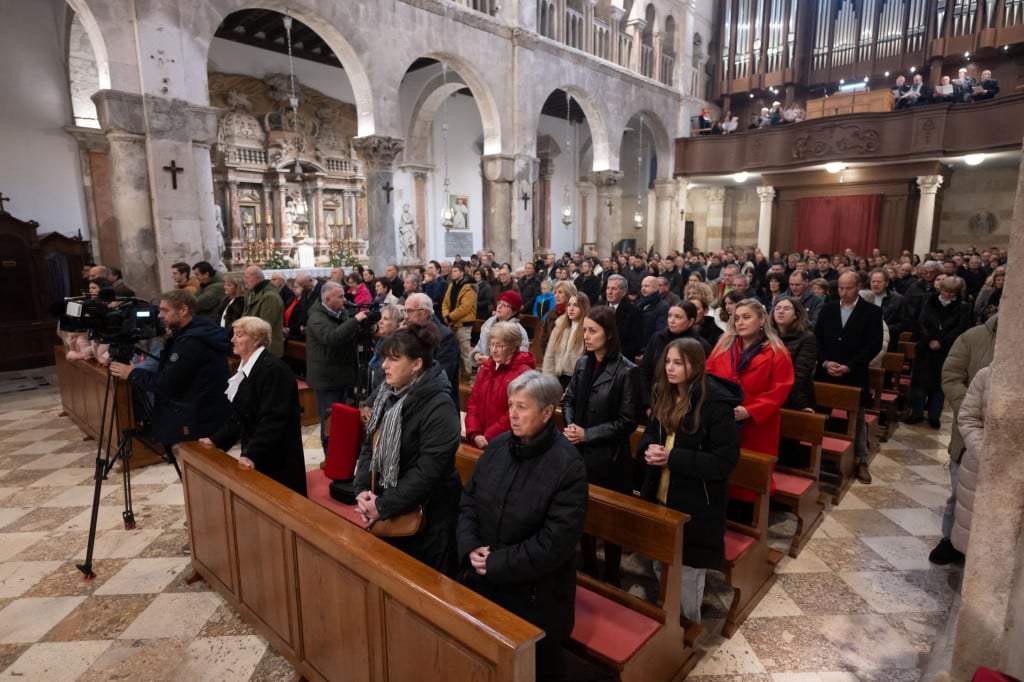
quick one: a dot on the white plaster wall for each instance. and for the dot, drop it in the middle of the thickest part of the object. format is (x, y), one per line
(464, 172)
(40, 168)
(229, 57)
(972, 193)
(568, 171)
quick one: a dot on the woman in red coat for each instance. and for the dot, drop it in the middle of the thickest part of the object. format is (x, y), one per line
(751, 354)
(487, 409)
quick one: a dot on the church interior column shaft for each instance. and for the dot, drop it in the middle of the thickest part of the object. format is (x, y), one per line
(380, 153)
(764, 222)
(499, 172)
(923, 235)
(609, 208)
(664, 191)
(420, 191)
(715, 219)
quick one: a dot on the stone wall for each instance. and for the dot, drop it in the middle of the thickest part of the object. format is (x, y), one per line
(977, 207)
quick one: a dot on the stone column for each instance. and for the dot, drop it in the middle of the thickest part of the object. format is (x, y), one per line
(715, 220)
(587, 232)
(609, 208)
(380, 153)
(991, 625)
(764, 222)
(929, 185)
(234, 214)
(420, 181)
(282, 230)
(664, 192)
(635, 28)
(499, 173)
(542, 203)
(267, 207)
(122, 120)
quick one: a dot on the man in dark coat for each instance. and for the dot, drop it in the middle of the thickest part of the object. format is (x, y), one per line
(628, 319)
(529, 285)
(654, 310)
(419, 309)
(849, 335)
(189, 383)
(523, 511)
(331, 368)
(588, 283)
(917, 293)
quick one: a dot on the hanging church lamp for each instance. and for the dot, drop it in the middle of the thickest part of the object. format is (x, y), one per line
(638, 215)
(447, 212)
(567, 199)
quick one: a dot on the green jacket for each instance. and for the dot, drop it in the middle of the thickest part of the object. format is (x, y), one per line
(210, 296)
(330, 349)
(265, 303)
(971, 351)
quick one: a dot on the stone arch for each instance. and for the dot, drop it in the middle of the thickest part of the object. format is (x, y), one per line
(459, 68)
(213, 13)
(662, 142)
(668, 38)
(650, 23)
(596, 121)
(99, 47)
(421, 122)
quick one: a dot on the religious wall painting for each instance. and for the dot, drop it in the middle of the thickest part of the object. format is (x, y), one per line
(459, 206)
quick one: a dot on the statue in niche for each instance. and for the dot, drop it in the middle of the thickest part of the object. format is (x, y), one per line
(407, 235)
(221, 246)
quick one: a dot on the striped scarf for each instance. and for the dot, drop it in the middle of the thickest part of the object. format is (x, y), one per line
(387, 442)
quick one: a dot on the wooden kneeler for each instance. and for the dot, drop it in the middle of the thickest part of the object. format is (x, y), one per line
(796, 483)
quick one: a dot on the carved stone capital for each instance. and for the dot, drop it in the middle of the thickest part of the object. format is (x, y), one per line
(715, 195)
(499, 167)
(665, 189)
(120, 111)
(606, 179)
(929, 184)
(766, 194)
(379, 151)
(202, 124)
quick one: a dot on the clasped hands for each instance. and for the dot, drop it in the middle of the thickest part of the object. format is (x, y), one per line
(835, 369)
(366, 507)
(478, 559)
(656, 455)
(574, 433)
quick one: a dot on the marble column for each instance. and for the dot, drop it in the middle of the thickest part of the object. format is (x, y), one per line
(542, 204)
(318, 231)
(238, 236)
(587, 232)
(499, 173)
(923, 235)
(715, 219)
(991, 625)
(122, 119)
(665, 193)
(380, 153)
(281, 229)
(420, 181)
(609, 208)
(764, 221)
(266, 214)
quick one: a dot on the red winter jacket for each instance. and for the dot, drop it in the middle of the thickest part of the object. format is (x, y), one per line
(487, 409)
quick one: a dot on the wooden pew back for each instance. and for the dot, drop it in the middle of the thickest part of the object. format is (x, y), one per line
(803, 427)
(839, 397)
(334, 600)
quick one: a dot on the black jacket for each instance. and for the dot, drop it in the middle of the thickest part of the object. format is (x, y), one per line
(189, 383)
(430, 436)
(609, 419)
(937, 323)
(630, 322)
(655, 313)
(266, 417)
(590, 285)
(234, 307)
(528, 503)
(529, 289)
(853, 345)
(447, 355)
(913, 302)
(699, 468)
(803, 350)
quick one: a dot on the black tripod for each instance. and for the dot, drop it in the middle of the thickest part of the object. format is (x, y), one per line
(105, 459)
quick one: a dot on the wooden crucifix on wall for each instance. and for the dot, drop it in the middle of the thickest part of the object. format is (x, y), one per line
(174, 169)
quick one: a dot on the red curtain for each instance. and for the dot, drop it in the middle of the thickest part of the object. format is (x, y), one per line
(834, 224)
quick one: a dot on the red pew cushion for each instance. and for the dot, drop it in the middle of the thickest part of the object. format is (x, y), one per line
(736, 544)
(789, 484)
(317, 490)
(609, 628)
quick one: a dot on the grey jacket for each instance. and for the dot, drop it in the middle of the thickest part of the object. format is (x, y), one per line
(972, 426)
(971, 351)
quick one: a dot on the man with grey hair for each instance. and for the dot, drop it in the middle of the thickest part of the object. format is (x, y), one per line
(411, 285)
(917, 294)
(419, 309)
(628, 319)
(264, 301)
(331, 358)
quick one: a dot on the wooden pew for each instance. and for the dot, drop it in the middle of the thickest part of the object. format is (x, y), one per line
(888, 398)
(796, 483)
(837, 445)
(296, 350)
(337, 602)
(641, 641)
(535, 330)
(83, 388)
(749, 561)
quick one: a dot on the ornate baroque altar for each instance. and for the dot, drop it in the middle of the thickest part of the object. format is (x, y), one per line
(288, 183)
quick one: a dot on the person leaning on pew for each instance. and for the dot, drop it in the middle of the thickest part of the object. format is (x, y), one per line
(522, 513)
(691, 447)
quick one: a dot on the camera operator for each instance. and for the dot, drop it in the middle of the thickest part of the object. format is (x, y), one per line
(331, 353)
(191, 376)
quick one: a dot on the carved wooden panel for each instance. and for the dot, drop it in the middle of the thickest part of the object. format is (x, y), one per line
(333, 613)
(418, 650)
(208, 519)
(263, 574)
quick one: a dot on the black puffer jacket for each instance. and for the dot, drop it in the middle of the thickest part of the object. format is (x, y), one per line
(528, 503)
(803, 350)
(430, 437)
(609, 419)
(699, 467)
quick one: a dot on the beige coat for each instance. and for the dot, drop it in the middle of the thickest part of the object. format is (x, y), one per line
(972, 427)
(561, 355)
(970, 352)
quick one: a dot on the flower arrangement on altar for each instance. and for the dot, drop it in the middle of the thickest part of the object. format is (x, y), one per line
(277, 261)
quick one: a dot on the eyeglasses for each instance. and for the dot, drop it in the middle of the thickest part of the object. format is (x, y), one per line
(410, 311)
(497, 345)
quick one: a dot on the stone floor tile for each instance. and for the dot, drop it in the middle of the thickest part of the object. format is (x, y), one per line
(890, 592)
(847, 555)
(17, 577)
(728, 657)
(137, 660)
(915, 521)
(144, 575)
(221, 658)
(822, 594)
(56, 660)
(100, 617)
(793, 644)
(26, 620)
(869, 642)
(178, 616)
(867, 522)
(903, 553)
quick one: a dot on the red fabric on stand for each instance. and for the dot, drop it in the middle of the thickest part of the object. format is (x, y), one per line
(834, 224)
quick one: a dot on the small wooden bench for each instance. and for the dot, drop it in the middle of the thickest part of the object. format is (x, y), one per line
(296, 350)
(641, 641)
(840, 434)
(796, 481)
(749, 561)
(885, 397)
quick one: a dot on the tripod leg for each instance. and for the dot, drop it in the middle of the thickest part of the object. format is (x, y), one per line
(125, 451)
(169, 457)
(103, 465)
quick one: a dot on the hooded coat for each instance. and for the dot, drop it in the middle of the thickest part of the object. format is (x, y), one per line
(700, 464)
(188, 386)
(487, 408)
(971, 351)
(972, 426)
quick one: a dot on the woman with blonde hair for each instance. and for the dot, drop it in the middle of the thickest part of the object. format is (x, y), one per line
(565, 346)
(751, 354)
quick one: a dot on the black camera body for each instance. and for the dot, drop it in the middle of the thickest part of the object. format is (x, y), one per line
(372, 311)
(119, 321)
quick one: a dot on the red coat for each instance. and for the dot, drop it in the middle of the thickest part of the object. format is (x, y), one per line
(487, 409)
(766, 383)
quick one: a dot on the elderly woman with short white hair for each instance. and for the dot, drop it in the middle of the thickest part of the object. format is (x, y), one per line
(266, 414)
